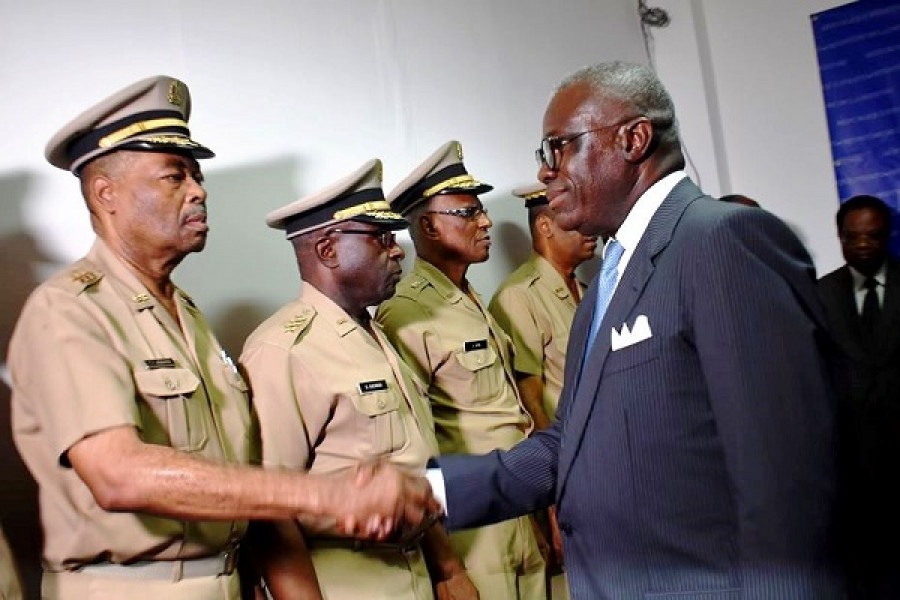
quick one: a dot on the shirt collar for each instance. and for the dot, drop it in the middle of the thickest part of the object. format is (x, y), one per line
(441, 283)
(635, 224)
(859, 279)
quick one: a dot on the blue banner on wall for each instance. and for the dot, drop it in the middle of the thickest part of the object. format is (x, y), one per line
(858, 46)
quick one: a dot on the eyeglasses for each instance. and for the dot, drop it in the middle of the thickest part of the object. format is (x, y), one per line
(552, 146)
(469, 213)
(385, 237)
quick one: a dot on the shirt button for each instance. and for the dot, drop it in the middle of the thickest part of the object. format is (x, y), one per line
(480, 360)
(169, 383)
(381, 404)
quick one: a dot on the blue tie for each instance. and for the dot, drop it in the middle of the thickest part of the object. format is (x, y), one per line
(605, 288)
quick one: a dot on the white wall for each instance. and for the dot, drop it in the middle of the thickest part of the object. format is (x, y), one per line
(292, 95)
(746, 87)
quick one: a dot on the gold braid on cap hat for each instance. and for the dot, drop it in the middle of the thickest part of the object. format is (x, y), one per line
(134, 128)
(460, 181)
(352, 211)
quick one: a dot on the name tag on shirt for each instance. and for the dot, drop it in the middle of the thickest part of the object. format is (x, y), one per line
(160, 363)
(476, 345)
(379, 385)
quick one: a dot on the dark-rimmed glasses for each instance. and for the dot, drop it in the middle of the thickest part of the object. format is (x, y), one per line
(550, 152)
(469, 213)
(385, 237)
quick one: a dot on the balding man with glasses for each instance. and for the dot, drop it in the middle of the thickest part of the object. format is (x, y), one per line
(444, 331)
(693, 455)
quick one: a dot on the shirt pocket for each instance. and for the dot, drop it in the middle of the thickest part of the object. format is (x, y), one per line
(178, 414)
(380, 420)
(474, 376)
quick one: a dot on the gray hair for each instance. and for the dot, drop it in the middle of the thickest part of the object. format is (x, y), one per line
(634, 84)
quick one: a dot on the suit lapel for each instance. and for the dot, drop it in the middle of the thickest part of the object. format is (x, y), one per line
(890, 308)
(631, 286)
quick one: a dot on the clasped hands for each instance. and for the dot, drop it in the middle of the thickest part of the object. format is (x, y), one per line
(377, 501)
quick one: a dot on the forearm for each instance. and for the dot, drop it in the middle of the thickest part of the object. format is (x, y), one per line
(531, 388)
(163, 481)
(125, 474)
(501, 485)
(442, 561)
(282, 557)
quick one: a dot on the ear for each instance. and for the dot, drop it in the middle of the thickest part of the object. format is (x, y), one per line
(327, 253)
(542, 224)
(637, 140)
(426, 226)
(102, 191)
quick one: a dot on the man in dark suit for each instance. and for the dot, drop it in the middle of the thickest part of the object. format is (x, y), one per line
(862, 302)
(693, 452)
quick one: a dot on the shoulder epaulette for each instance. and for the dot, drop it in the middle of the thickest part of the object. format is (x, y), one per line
(413, 287)
(291, 329)
(79, 277)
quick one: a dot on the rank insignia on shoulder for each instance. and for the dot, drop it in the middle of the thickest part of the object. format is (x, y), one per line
(296, 323)
(140, 298)
(475, 345)
(378, 385)
(85, 277)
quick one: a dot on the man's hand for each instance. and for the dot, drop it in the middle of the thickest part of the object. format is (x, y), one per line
(555, 536)
(376, 498)
(458, 587)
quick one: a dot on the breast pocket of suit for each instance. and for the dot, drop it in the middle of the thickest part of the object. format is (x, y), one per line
(378, 417)
(631, 357)
(474, 376)
(174, 411)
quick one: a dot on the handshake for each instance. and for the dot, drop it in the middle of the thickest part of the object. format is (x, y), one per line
(378, 501)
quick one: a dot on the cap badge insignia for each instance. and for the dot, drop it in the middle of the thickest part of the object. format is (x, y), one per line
(176, 93)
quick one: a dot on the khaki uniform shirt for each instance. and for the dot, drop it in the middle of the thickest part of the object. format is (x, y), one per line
(10, 588)
(464, 357)
(535, 307)
(93, 349)
(329, 395)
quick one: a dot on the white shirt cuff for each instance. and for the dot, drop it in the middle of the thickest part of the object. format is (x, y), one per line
(436, 479)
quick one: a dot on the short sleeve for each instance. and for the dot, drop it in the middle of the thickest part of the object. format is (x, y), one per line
(69, 376)
(514, 312)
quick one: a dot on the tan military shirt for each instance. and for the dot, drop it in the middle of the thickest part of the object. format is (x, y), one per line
(93, 349)
(10, 588)
(535, 307)
(328, 394)
(464, 357)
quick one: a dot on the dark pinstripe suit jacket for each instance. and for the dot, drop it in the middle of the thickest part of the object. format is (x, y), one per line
(698, 463)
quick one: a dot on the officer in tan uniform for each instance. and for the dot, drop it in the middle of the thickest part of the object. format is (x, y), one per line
(535, 305)
(330, 390)
(442, 329)
(10, 586)
(125, 408)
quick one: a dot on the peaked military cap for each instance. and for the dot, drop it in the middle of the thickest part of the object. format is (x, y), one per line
(150, 115)
(356, 197)
(534, 194)
(442, 173)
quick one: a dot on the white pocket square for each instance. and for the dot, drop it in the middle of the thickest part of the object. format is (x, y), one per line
(639, 332)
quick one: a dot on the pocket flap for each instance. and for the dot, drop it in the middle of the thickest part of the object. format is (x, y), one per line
(166, 382)
(376, 403)
(474, 360)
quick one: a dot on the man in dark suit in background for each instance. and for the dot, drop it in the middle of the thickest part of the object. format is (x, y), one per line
(862, 301)
(693, 455)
